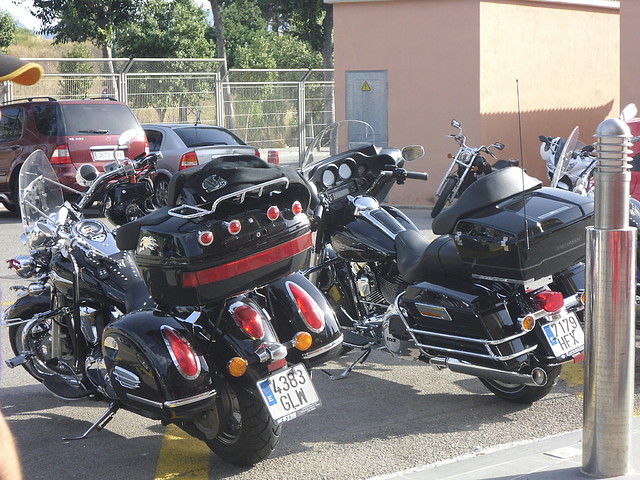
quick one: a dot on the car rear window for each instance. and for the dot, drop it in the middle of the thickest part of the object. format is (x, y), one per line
(98, 118)
(201, 136)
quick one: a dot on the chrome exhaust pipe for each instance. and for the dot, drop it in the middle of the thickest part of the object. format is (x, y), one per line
(537, 377)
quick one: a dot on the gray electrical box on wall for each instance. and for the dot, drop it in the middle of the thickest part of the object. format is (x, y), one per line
(366, 100)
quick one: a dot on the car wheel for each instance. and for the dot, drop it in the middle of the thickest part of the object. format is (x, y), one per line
(161, 190)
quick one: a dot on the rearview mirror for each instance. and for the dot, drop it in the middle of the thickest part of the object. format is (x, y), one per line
(412, 152)
(628, 112)
(127, 137)
(455, 123)
(499, 146)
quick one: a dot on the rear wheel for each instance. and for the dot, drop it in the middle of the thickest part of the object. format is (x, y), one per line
(444, 196)
(517, 393)
(249, 434)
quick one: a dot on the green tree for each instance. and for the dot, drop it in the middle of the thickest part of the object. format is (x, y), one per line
(76, 86)
(169, 29)
(8, 28)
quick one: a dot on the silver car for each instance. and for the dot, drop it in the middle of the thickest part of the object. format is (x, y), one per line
(180, 146)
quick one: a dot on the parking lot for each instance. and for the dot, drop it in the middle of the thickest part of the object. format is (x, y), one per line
(388, 415)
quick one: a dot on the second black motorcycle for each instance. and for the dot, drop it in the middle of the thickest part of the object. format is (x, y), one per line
(498, 295)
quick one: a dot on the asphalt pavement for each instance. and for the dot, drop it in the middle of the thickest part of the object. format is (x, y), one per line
(552, 458)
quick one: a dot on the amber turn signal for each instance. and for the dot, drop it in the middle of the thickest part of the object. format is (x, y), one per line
(237, 366)
(302, 341)
(528, 323)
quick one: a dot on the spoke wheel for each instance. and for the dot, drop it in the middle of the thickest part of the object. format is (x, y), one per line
(444, 196)
(517, 393)
(161, 191)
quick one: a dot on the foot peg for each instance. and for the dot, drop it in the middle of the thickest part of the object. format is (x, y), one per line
(106, 417)
(16, 361)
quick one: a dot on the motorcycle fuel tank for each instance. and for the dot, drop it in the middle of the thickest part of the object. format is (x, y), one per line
(370, 236)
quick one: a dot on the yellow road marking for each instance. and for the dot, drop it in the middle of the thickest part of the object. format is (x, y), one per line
(182, 456)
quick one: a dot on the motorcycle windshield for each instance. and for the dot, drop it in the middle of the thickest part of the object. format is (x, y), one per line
(40, 192)
(564, 159)
(336, 138)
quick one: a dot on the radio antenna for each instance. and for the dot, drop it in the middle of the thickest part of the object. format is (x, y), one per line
(524, 203)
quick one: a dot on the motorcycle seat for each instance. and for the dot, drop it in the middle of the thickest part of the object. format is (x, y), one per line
(493, 188)
(418, 259)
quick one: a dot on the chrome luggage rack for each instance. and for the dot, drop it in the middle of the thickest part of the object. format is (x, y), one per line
(192, 211)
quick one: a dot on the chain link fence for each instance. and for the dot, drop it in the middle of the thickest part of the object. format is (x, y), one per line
(278, 110)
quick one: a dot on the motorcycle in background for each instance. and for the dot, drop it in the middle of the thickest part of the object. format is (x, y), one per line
(571, 165)
(494, 296)
(467, 166)
(180, 317)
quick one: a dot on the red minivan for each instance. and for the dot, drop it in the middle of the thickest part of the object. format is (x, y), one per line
(70, 132)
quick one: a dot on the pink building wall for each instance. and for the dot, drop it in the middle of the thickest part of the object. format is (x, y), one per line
(460, 59)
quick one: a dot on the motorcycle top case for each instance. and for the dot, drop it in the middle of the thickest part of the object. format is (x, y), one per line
(181, 266)
(526, 237)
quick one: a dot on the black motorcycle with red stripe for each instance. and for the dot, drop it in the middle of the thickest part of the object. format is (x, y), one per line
(191, 315)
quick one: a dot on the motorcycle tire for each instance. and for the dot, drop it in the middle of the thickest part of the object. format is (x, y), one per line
(444, 196)
(524, 394)
(249, 435)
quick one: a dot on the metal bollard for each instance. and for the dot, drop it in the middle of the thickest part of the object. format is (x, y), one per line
(610, 311)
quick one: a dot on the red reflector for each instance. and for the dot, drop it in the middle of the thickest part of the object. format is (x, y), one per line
(296, 207)
(249, 320)
(309, 309)
(205, 238)
(578, 358)
(234, 227)
(247, 264)
(189, 159)
(183, 356)
(273, 213)
(549, 301)
(61, 155)
(273, 366)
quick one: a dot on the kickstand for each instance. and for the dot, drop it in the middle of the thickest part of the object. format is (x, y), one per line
(99, 424)
(363, 356)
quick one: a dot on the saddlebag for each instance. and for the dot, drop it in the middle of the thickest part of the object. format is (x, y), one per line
(190, 258)
(525, 237)
(141, 371)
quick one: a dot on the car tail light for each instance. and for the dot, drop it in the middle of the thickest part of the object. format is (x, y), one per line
(249, 320)
(183, 356)
(273, 157)
(61, 155)
(257, 154)
(309, 309)
(189, 159)
(548, 300)
(146, 146)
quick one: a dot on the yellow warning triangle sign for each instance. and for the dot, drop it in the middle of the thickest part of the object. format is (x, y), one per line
(365, 87)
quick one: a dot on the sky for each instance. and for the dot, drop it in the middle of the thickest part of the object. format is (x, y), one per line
(21, 13)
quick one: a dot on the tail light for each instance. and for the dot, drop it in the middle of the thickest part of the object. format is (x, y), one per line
(548, 300)
(189, 159)
(183, 356)
(249, 320)
(147, 150)
(257, 154)
(205, 238)
(296, 207)
(273, 157)
(61, 155)
(309, 309)
(273, 213)
(234, 227)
